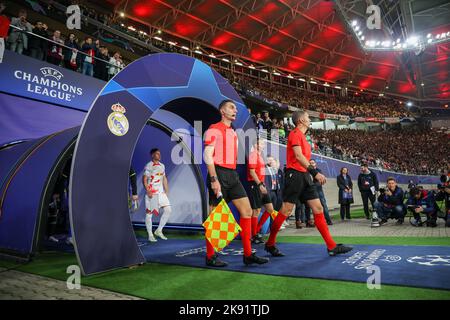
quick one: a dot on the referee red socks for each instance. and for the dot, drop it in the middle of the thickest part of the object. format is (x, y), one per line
(276, 225)
(321, 225)
(246, 226)
(254, 226)
(209, 249)
(263, 220)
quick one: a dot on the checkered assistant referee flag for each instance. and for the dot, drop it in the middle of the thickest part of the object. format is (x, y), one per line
(274, 214)
(221, 227)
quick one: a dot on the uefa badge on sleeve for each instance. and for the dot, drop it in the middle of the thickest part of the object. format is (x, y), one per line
(117, 121)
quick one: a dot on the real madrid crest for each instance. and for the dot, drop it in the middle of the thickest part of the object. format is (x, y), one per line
(117, 121)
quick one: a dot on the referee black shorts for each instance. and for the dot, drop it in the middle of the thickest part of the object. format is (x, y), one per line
(257, 199)
(299, 186)
(230, 185)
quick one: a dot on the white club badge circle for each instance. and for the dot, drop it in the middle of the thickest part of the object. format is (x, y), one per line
(117, 121)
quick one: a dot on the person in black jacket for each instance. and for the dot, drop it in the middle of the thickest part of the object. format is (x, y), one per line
(280, 174)
(36, 44)
(259, 122)
(368, 186)
(133, 184)
(345, 186)
(267, 123)
(101, 66)
(422, 201)
(390, 203)
(252, 116)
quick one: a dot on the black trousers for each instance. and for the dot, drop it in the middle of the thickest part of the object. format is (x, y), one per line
(366, 196)
(299, 211)
(54, 60)
(37, 53)
(302, 212)
(431, 216)
(277, 200)
(345, 211)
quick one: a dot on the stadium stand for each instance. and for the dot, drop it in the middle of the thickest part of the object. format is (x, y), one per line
(114, 49)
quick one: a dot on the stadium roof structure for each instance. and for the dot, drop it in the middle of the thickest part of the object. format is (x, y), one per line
(318, 38)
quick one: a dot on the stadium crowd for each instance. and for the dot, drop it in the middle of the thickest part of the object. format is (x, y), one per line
(414, 151)
(87, 56)
(355, 106)
(388, 150)
(94, 58)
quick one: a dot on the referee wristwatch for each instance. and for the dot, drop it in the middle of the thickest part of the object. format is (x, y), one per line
(213, 179)
(312, 171)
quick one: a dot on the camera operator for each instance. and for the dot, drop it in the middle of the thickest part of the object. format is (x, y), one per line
(444, 194)
(390, 203)
(411, 184)
(422, 201)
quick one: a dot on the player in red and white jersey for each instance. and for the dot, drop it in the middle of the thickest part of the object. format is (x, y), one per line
(157, 188)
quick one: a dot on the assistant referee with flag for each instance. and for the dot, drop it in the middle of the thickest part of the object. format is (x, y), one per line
(221, 144)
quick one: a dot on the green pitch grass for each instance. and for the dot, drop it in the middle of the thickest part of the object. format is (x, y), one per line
(159, 281)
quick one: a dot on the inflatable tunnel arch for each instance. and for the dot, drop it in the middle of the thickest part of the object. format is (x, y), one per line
(101, 226)
(28, 171)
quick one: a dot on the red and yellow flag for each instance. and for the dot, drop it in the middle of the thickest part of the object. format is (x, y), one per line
(221, 227)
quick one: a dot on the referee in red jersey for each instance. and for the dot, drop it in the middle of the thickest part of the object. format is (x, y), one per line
(221, 145)
(299, 185)
(258, 193)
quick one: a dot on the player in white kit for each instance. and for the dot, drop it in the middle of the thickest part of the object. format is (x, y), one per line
(155, 182)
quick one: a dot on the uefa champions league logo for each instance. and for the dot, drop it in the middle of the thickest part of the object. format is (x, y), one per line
(391, 258)
(224, 252)
(430, 260)
(48, 83)
(51, 72)
(188, 252)
(361, 259)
